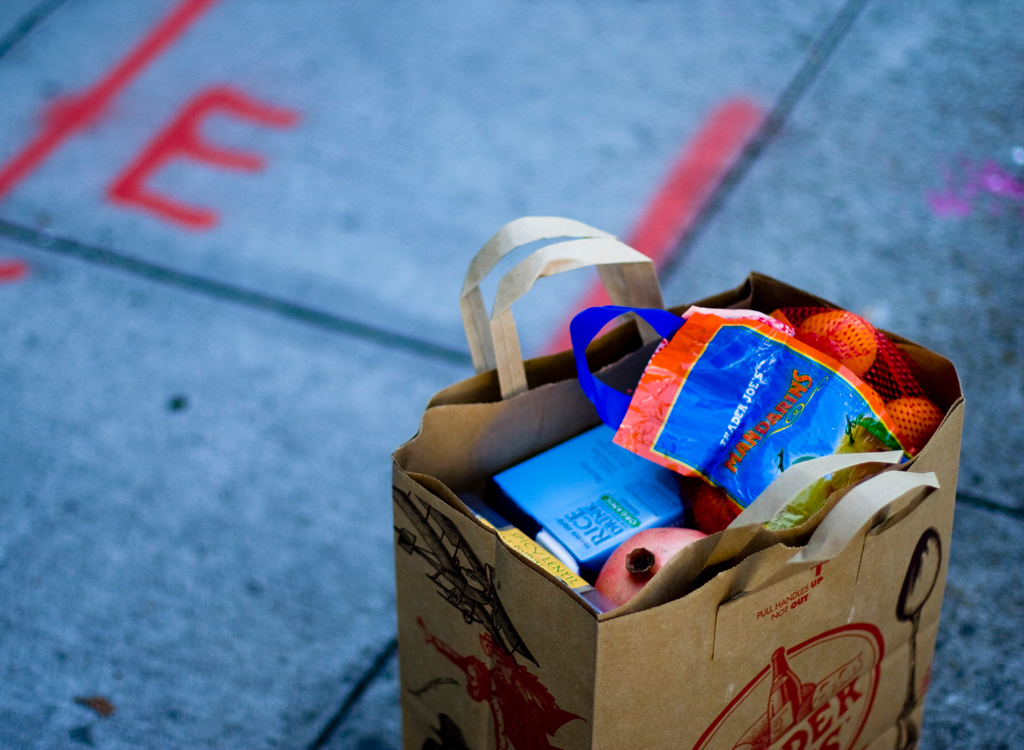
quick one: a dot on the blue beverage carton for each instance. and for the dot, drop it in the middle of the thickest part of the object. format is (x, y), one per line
(589, 495)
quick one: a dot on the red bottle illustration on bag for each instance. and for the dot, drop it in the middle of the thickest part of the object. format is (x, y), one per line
(524, 712)
(795, 704)
(790, 699)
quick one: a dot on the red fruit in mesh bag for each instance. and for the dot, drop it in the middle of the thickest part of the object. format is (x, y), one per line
(843, 336)
(712, 510)
(916, 419)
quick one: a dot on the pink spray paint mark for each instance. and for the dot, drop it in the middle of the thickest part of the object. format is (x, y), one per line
(958, 198)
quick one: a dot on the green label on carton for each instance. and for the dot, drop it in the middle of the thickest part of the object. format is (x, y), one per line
(631, 520)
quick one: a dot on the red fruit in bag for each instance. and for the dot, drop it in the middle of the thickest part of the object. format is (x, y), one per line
(843, 336)
(916, 418)
(711, 508)
(636, 560)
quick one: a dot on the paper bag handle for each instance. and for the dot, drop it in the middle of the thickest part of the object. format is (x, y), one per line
(858, 507)
(861, 504)
(514, 234)
(798, 477)
(628, 276)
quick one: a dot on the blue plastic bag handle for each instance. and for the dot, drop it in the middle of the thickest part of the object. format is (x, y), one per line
(611, 404)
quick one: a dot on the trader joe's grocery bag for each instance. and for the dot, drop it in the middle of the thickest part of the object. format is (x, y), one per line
(815, 638)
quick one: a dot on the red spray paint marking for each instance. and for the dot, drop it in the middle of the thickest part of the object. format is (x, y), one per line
(12, 270)
(693, 178)
(70, 114)
(182, 139)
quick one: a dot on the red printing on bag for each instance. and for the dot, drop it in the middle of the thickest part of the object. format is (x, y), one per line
(794, 703)
(524, 712)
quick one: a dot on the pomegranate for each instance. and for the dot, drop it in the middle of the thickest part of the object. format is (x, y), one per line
(636, 560)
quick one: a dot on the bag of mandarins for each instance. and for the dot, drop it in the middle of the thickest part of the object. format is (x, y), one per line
(736, 397)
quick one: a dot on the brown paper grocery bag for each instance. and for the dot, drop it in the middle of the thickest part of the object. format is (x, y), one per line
(816, 638)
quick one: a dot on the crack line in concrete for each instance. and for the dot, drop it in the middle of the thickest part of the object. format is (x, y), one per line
(28, 22)
(230, 293)
(992, 505)
(356, 693)
(813, 64)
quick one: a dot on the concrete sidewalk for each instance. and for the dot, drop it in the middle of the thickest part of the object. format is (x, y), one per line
(187, 499)
(194, 514)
